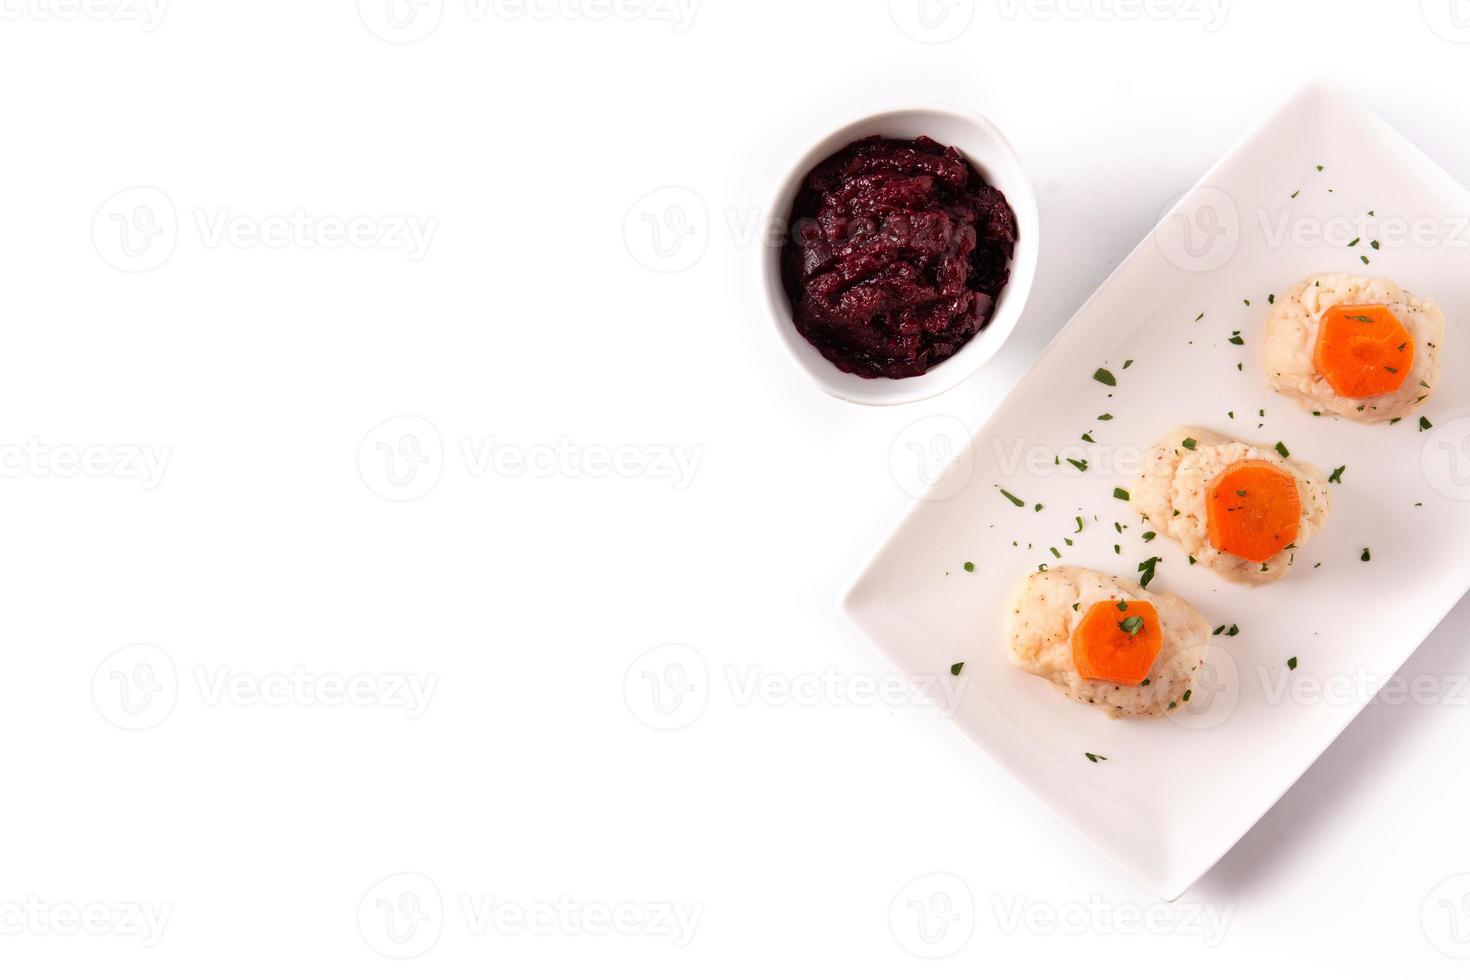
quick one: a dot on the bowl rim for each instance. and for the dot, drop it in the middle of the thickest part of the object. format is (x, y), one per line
(1021, 196)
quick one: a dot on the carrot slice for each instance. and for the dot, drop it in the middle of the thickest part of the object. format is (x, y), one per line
(1363, 351)
(1253, 509)
(1117, 641)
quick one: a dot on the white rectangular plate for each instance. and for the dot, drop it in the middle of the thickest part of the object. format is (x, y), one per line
(1252, 726)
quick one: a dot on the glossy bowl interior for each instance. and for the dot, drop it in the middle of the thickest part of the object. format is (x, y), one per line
(992, 156)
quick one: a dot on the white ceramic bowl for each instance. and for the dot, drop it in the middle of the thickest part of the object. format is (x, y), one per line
(992, 156)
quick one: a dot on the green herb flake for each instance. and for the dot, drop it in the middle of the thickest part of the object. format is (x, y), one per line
(1147, 567)
(1133, 625)
(956, 668)
(1011, 497)
(969, 566)
(1120, 493)
(1094, 757)
(1336, 476)
(1366, 555)
(1281, 448)
(1425, 424)
(1105, 376)
(1190, 443)
(1291, 664)
(1081, 464)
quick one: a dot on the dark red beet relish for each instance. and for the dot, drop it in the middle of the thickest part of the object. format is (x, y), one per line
(896, 254)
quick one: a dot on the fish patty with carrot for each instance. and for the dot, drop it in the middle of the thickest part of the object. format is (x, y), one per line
(1243, 511)
(1355, 346)
(1107, 641)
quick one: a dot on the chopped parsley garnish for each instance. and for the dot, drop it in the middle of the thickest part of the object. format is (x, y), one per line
(969, 566)
(1291, 664)
(1336, 476)
(1149, 535)
(1105, 417)
(1079, 523)
(1133, 625)
(1011, 497)
(1147, 568)
(1190, 443)
(1105, 376)
(956, 668)
(1081, 464)
(1237, 339)
(1425, 424)
(1120, 493)
(1094, 757)
(1281, 448)
(1127, 364)
(1187, 693)
(1353, 242)
(1366, 556)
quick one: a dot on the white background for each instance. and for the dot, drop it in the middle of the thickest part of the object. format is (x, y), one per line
(534, 330)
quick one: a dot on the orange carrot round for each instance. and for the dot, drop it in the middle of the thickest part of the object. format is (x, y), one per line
(1117, 641)
(1253, 510)
(1363, 351)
